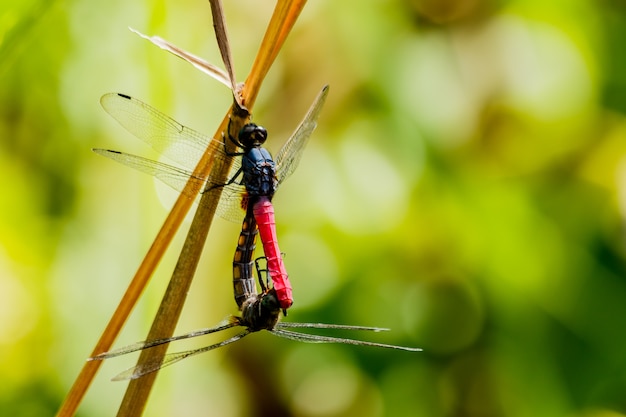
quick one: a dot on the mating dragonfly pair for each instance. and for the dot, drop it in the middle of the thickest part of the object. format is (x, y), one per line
(253, 180)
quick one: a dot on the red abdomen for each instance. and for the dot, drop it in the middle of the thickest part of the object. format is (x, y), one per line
(264, 215)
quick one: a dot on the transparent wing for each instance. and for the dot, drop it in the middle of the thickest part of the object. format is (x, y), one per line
(185, 146)
(231, 321)
(178, 143)
(168, 137)
(169, 174)
(284, 324)
(171, 358)
(230, 205)
(289, 155)
(312, 338)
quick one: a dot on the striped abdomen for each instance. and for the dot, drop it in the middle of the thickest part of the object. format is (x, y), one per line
(243, 265)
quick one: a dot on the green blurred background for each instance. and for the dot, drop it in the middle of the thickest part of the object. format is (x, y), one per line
(466, 188)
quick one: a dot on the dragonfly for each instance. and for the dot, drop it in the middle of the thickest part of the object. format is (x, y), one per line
(260, 311)
(253, 179)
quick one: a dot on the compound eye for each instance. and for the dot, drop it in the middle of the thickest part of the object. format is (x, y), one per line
(260, 134)
(252, 135)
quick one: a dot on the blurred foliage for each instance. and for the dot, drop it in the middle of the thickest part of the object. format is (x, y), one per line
(466, 188)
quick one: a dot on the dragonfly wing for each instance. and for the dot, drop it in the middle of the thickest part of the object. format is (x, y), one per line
(229, 207)
(227, 323)
(169, 174)
(312, 338)
(286, 324)
(289, 155)
(171, 358)
(168, 137)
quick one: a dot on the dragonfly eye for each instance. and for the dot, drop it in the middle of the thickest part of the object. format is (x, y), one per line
(261, 311)
(252, 135)
(269, 301)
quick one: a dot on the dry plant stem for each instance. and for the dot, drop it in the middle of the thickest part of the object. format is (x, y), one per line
(164, 324)
(199, 63)
(285, 15)
(135, 288)
(222, 41)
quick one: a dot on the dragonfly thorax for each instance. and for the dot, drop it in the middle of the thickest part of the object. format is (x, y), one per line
(260, 312)
(252, 136)
(259, 172)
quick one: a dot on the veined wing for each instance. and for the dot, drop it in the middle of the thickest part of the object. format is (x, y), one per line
(279, 330)
(168, 137)
(289, 155)
(287, 324)
(171, 358)
(173, 176)
(178, 143)
(229, 206)
(314, 338)
(227, 323)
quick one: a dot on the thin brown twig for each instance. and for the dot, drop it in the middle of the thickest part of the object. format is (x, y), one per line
(219, 25)
(164, 324)
(199, 63)
(284, 17)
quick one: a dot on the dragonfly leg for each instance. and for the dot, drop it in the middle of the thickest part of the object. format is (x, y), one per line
(260, 271)
(232, 139)
(264, 285)
(230, 181)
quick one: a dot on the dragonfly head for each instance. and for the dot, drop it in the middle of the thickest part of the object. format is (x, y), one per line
(251, 135)
(261, 311)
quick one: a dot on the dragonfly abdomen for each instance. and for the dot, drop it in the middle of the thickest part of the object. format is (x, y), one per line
(243, 277)
(264, 216)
